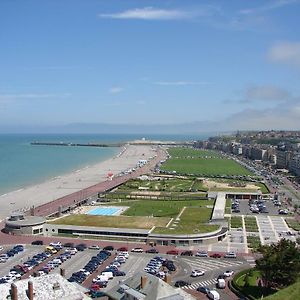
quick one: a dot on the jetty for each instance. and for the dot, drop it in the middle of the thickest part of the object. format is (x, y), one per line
(67, 144)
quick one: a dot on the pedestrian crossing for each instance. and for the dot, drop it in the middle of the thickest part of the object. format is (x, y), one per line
(206, 264)
(250, 260)
(207, 283)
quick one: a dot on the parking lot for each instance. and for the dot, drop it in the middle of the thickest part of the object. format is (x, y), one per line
(245, 208)
(135, 263)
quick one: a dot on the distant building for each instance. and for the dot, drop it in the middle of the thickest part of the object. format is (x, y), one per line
(143, 286)
(295, 164)
(283, 158)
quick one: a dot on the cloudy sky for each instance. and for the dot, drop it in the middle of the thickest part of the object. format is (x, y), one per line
(223, 65)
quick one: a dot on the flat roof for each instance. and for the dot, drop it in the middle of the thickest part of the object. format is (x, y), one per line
(219, 209)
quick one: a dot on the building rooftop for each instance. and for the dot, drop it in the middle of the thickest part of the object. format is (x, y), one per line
(47, 287)
(152, 289)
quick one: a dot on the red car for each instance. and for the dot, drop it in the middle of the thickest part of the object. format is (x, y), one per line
(123, 249)
(216, 255)
(173, 252)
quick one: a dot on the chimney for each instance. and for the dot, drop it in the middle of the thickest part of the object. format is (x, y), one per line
(30, 290)
(62, 272)
(14, 292)
(143, 281)
(167, 279)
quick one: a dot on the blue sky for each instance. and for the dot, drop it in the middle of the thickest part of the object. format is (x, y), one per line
(222, 64)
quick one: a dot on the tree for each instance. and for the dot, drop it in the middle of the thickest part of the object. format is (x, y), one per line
(280, 264)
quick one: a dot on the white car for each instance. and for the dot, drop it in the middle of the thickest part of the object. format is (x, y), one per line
(230, 255)
(94, 247)
(228, 273)
(72, 251)
(202, 254)
(196, 273)
(137, 250)
(125, 254)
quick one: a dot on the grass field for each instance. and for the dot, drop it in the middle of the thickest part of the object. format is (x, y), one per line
(160, 208)
(246, 282)
(112, 221)
(253, 242)
(293, 224)
(193, 220)
(251, 224)
(206, 166)
(167, 185)
(189, 152)
(292, 292)
(236, 222)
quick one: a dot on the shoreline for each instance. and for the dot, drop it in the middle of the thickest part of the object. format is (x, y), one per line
(78, 180)
(49, 177)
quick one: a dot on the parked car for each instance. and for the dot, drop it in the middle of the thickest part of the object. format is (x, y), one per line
(216, 255)
(152, 250)
(203, 289)
(202, 254)
(181, 283)
(228, 273)
(196, 273)
(173, 252)
(230, 255)
(108, 248)
(94, 247)
(38, 242)
(138, 250)
(122, 249)
(187, 253)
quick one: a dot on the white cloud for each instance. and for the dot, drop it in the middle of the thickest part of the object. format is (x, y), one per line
(116, 89)
(181, 83)
(266, 93)
(149, 13)
(285, 52)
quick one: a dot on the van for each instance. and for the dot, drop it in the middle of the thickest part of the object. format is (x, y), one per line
(213, 295)
(221, 283)
(109, 275)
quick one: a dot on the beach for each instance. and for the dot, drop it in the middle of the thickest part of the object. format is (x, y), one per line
(66, 184)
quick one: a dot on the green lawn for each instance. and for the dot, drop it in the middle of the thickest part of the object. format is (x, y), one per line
(236, 222)
(193, 220)
(292, 292)
(293, 224)
(112, 221)
(248, 284)
(253, 242)
(190, 152)
(251, 224)
(204, 166)
(160, 208)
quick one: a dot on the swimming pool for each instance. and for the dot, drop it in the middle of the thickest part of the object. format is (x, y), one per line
(104, 211)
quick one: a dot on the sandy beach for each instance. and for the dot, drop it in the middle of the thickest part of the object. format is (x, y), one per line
(66, 184)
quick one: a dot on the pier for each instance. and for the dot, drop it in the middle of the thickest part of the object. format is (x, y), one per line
(76, 144)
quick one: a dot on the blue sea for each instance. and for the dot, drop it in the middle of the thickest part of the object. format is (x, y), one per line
(23, 164)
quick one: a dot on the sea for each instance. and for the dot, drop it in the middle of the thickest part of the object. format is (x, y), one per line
(23, 164)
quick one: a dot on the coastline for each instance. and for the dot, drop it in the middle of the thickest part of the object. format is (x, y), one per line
(59, 186)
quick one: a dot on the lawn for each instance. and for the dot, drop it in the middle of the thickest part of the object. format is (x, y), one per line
(251, 224)
(112, 221)
(236, 222)
(193, 220)
(190, 152)
(292, 292)
(247, 282)
(204, 166)
(253, 242)
(292, 223)
(160, 208)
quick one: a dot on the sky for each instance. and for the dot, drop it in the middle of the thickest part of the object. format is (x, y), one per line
(218, 65)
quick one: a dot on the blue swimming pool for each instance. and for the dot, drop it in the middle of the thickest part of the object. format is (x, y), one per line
(103, 211)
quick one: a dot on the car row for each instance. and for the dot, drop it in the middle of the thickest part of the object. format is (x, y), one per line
(90, 267)
(11, 252)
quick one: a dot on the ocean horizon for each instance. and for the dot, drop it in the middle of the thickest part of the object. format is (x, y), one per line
(23, 164)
